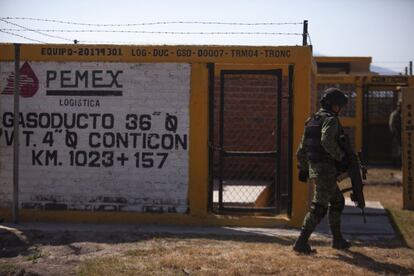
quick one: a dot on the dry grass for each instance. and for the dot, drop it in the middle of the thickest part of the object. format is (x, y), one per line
(199, 256)
(137, 254)
(253, 256)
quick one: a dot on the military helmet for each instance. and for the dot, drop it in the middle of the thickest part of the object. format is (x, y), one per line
(333, 96)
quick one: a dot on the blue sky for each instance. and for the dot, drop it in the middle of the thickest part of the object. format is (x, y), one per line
(376, 28)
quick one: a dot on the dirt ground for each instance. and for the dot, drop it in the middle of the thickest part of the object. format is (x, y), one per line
(90, 253)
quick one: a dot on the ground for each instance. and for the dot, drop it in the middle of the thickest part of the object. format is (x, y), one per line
(129, 253)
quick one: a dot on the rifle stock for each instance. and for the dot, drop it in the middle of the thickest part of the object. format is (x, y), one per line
(357, 173)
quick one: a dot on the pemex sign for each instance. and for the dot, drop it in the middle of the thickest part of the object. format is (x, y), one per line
(98, 136)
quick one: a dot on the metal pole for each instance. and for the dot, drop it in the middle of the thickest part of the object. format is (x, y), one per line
(305, 33)
(211, 152)
(411, 68)
(15, 211)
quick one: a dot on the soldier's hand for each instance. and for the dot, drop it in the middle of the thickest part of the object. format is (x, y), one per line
(303, 176)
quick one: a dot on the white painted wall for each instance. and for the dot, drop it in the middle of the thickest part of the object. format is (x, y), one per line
(159, 91)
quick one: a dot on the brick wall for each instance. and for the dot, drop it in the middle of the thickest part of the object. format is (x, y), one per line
(250, 124)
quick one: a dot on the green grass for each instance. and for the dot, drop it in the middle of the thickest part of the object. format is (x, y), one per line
(403, 220)
(390, 197)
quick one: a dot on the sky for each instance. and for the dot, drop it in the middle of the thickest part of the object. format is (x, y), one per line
(380, 29)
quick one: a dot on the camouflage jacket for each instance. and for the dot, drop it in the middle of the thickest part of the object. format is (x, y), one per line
(331, 129)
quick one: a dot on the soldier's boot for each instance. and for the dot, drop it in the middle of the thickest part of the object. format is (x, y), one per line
(338, 241)
(301, 245)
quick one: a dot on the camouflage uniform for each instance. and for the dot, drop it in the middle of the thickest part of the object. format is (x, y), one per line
(395, 129)
(327, 195)
(319, 155)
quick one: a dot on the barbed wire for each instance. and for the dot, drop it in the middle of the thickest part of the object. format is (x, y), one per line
(148, 32)
(22, 36)
(107, 42)
(33, 30)
(45, 32)
(152, 23)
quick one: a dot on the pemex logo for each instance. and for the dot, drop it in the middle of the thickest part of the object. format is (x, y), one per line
(29, 83)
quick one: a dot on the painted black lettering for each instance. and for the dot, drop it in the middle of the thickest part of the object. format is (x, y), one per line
(92, 142)
(131, 121)
(114, 78)
(44, 120)
(81, 78)
(51, 158)
(65, 78)
(151, 144)
(36, 158)
(167, 141)
(121, 140)
(164, 158)
(94, 159)
(145, 122)
(78, 121)
(48, 138)
(96, 78)
(108, 121)
(181, 141)
(50, 76)
(107, 159)
(9, 136)
(27, 134)
(8, 119)
(108, 140)
(44, 158)
(31, 120)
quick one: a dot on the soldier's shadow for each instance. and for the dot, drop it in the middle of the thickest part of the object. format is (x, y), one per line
(378, 267)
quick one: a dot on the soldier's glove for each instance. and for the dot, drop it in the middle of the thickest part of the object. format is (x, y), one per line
(303, 176)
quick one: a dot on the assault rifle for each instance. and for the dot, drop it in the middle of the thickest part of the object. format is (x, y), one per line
(357, 172)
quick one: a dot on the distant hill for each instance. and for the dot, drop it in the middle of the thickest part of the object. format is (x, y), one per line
(383, 71)
(375, 69)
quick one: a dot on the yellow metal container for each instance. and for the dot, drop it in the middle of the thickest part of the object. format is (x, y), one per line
(92, 66)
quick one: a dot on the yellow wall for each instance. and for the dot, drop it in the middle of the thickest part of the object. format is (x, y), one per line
(198, 187)
(198, 56)
(407, 136)
(179, 53)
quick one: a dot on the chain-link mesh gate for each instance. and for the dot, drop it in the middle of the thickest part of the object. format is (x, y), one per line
(249, 134)
(379, 102)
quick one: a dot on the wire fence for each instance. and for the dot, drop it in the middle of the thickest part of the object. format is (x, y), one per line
(153, 23)
(27, 30)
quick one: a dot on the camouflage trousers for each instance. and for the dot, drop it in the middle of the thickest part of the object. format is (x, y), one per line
(328, 198)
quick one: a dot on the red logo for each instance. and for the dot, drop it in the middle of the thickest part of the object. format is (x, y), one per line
(29, 83)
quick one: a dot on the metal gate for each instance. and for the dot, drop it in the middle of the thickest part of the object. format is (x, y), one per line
(251, 124)
(379, 102)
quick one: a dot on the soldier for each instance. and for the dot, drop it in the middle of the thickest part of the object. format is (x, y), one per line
(320, 156)
(394, 124)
